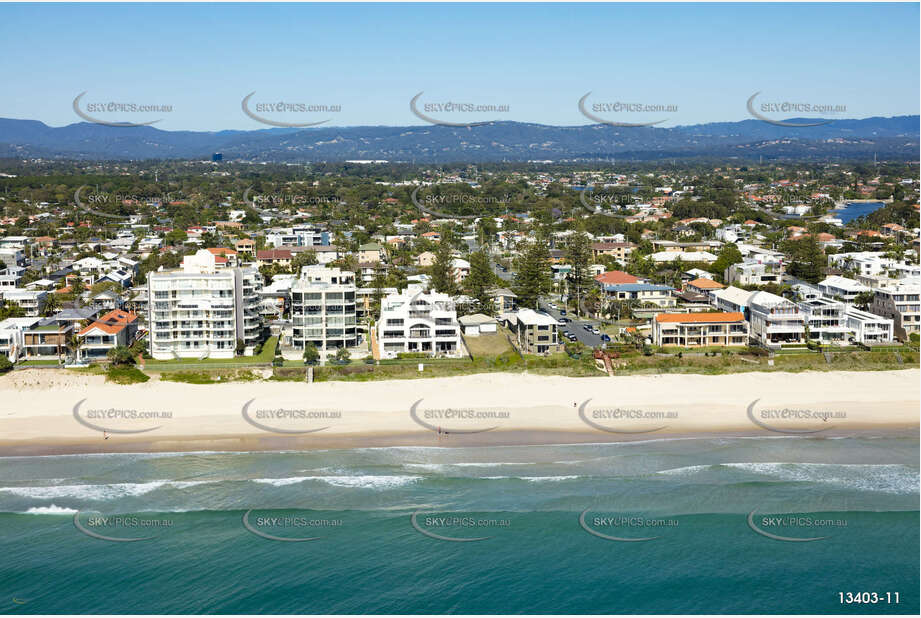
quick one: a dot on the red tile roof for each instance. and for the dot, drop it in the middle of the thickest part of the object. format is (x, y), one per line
(616, 276)
(700, 318)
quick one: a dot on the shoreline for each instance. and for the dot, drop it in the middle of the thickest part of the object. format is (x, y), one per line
(53, 415)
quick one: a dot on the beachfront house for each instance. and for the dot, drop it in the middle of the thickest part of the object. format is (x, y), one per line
(418, 322)
(536, 331)
(108, 331)
(693, 330)
(775, 321)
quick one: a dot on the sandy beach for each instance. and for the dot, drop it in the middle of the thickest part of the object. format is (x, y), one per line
(53, 412)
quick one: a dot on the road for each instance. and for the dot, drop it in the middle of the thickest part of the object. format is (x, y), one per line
(576, 327)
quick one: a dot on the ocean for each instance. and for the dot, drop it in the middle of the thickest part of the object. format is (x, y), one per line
(669, 525)
(853, 210)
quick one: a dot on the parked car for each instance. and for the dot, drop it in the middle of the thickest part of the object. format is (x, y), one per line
(565, 320)
(595, 331)
(588, 327)
(562, 312)
(605, 337)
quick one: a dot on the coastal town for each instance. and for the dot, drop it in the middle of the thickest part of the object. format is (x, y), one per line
(198, 267)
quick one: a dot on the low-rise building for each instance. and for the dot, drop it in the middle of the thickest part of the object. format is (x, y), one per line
(825, 320)
(108, 331)
(11, 336)
(536, 332)
(901, 304)
(869, 328)
(842, 288)
(754, 273)
(416, 321)
(700, 329)
(775, 321)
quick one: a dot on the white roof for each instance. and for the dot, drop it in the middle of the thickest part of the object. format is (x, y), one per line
(843, 283)
(533, 318)
(734, 295)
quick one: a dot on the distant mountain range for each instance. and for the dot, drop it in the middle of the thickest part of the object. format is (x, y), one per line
(887, 138)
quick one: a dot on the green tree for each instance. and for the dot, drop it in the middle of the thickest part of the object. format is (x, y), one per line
(479, 281)
(121, 356)
(579, 256)
(443, 269)
(807, 262)
(311, 354)
(729, 254)
(343, 355)
(303, 258)
(533, 277)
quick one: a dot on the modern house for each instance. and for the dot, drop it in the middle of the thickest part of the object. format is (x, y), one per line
(731, 299)
(868, 328)
(416, 321)
(11, 336)
(841, 288)
(775, 321)
(754, 273)
(476, 324)
(202, 310)
(825, 319)
(700, 329)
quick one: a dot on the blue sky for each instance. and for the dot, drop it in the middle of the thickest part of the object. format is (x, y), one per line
(537, 59)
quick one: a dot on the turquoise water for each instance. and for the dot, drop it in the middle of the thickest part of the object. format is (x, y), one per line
(853, 210)
(693, 496)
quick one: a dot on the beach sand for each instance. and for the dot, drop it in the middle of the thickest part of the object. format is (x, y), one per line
(55, 412)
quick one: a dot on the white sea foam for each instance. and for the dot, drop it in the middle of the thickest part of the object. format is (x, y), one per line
(50, 510)
(361, 481)
(95, 492)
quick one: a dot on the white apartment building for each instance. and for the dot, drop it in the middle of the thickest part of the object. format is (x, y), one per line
(416, 321)
(775, 320)
(323, 309)
(841, 287)
(201, 310)
(901, 304)
(874, 263)
(11, 336)
(731, 299)
(31, 301)
(825, 319)
(868, 328)
(301, 236)
(754, 273)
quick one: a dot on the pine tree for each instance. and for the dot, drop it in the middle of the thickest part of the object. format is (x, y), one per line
(533, 278)
(479, 281)
(578, 256)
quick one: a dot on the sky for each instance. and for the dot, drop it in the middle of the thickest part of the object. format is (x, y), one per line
(694, 63)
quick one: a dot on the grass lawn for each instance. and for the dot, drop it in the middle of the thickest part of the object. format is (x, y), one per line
(264, 357)
(39, 363)
(494, 344)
